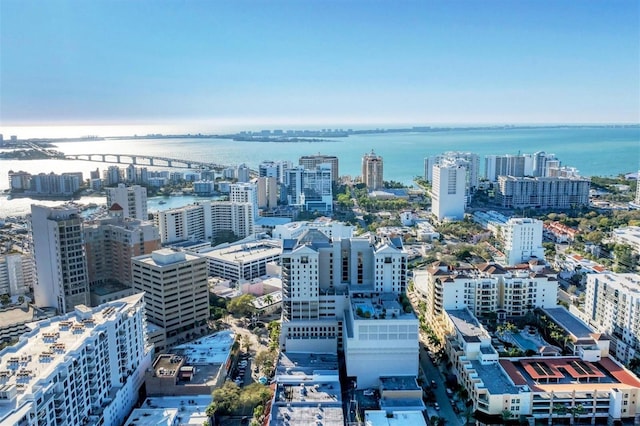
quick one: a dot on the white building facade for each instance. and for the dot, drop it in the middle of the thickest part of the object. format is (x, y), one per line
(522, 240)
(448, 198)
(83, 368)
(132, 199)
(61, 264)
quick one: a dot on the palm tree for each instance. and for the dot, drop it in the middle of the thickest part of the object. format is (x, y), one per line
(268, 299)
(506, 415)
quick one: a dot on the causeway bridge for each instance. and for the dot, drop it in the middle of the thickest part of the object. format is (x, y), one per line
(146, 160)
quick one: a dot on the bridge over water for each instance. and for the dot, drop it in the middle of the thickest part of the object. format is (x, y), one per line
(146, 160)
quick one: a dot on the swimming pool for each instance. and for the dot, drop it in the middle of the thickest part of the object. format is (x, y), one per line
(525, 344)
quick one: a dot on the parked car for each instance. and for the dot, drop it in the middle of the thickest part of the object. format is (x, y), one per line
(434, 384)
(368, 392)
(436, 406)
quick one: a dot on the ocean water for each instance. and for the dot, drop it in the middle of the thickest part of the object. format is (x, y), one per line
(595, 151)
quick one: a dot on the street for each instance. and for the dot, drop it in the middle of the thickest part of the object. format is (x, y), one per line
(433, 373)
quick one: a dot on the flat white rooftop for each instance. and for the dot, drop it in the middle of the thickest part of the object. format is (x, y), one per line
(245, 252)
(397, 418)
(213, 349)
(40, 352)
(171, 410)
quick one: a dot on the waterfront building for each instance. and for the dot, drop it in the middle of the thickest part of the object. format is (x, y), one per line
(522, 240)
(469, 160)
(508, 165)
(484, 289)
(542, 162)
(16, 274)
(110, 243)
(83, 368)
(19, 181)
(132, 200)
(54, 185)
(448, 198)
(589, 387)
(243, 173)
(313, 161)
(542, 192)
(61, 266)
(242, 261)
(112, 176)
(612, 306)
(204, 187)
(372, 171)
(310, 188)
(176, 292)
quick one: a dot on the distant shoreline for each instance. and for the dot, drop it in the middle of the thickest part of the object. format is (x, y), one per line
(306, 136)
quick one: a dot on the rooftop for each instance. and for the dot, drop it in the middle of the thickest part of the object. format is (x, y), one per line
(399, 383)
(245, 252)
(568, 373)
(467, 325)
(494, 378)
(570, 323)
(39, 352)
(397, 418)
(166, 411)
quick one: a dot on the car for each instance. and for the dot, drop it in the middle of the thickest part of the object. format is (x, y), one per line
(368, 392)
(434, 384)
(436, 406)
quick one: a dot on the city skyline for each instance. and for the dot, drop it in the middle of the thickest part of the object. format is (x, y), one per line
(212, 66)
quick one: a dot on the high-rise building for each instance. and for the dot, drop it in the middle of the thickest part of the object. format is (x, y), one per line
(612, 306)
(245, 193)
(83, 368)
(372, 171)
(508, 165)
(242, 173)
(112, 176)
(543, 192)
(337, 294)
(522, 240)
(448, 197)
(469, 160)
(274, 169)
(310, 188)
(16, 274)
(61, 265)
(313, 161)
(132, 199)
(540, 163)
(176, 291)
(110, 243)
(267, 192)
(204, 221)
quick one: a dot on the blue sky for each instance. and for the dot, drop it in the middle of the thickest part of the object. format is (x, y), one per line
(319, 62)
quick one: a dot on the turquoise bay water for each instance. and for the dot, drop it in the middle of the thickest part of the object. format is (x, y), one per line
(595, 151)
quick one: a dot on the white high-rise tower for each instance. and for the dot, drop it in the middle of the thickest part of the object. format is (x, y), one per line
(61, 265)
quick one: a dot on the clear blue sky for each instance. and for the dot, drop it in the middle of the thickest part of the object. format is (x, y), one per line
(305, 61)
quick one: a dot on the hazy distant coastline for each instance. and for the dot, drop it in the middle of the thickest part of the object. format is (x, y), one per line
(325, 135)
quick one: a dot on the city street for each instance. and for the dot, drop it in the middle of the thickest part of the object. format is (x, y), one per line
(433, 373)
